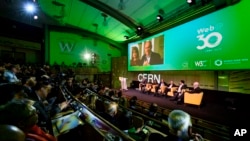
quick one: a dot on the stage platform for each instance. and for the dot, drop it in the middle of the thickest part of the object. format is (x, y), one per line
(214, 112)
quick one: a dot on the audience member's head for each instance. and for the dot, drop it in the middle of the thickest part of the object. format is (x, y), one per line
(112, 109)
(125, 120)
(179, 124)
(132, 101)
(11, 133)
(42, 89)
(156, 137)
(19, 113)
(10, 92)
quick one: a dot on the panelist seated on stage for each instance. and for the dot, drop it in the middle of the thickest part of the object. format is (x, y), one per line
(142, 84)
(179, 93)
(196, 88)
(171, 85)
(162, 87)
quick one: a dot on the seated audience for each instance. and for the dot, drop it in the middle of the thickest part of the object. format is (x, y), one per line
(11, 133)
(10, 92)
(111, 109)
(46, 108)
(10, 74)
(133, 103)
(24, 116)
(181, 127)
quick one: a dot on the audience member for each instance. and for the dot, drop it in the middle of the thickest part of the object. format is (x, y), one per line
(24, 116)
(10, 74)
(11, 133)
(133, 102)
(180, 126)
(10, 92)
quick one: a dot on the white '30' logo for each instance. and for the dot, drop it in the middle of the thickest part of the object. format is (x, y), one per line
(206, 42)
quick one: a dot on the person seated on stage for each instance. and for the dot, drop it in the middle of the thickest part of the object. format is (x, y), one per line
(142, 84)
(179, 93)
(170, 85)
(160, 85)
(24, 116)
(11, 133)
(148, 88)
(196, 88)
(180, 127)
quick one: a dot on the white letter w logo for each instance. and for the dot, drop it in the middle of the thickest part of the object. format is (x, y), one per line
(66, 47)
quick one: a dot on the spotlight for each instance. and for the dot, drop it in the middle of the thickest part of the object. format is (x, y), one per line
(159, 18)
(139, 30)
(191, 2)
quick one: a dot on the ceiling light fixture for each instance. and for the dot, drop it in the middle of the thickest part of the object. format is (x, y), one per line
(159, 17)
(191, 2)
(105, 23)
(139, 30)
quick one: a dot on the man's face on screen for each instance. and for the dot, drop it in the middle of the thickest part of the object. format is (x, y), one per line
(147, 48)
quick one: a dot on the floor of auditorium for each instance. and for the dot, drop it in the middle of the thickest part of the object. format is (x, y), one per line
(213, 112)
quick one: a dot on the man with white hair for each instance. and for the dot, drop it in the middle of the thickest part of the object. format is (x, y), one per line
(180, 126)
(196, 88)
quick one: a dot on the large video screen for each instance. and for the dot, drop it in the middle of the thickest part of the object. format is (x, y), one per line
(217, 41)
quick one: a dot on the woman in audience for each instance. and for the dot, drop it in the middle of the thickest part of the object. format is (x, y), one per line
(24, 116)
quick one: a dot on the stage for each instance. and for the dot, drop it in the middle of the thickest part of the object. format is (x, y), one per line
(212, 112)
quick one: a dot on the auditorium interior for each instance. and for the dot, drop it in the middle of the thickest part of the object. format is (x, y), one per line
(92, 41)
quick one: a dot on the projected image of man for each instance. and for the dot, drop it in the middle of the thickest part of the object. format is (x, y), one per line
(150, 57)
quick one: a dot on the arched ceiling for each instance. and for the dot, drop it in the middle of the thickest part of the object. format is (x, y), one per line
(109, 20)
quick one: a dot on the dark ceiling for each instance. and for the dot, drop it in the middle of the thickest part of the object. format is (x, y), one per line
(109, 20)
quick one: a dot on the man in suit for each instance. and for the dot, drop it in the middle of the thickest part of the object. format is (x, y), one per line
(179, 94)
(196, 88)
(150, 57)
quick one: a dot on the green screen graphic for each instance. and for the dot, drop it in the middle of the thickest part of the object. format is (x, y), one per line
(217, 41)
(70, 48)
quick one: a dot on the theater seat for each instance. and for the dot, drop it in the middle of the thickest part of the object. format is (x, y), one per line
(154, 88)
(172, 90)
(193, 98)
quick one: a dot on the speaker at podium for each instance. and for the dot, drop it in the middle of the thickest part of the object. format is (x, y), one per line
(123, 81)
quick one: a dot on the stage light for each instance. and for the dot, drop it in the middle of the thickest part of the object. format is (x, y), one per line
(139, 30)
(30, 7)
(191, 2)
(159, 18)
